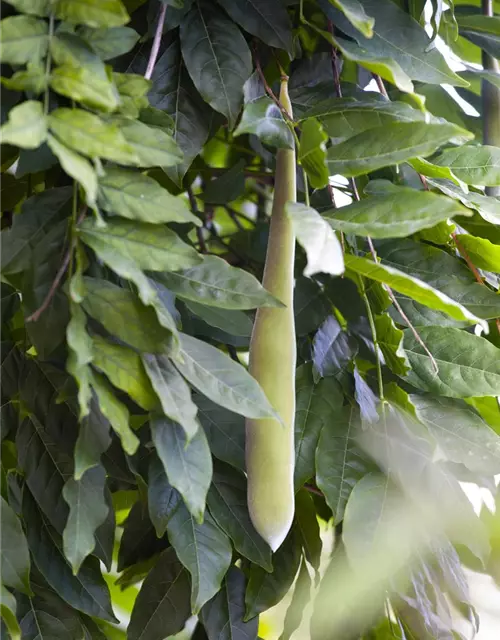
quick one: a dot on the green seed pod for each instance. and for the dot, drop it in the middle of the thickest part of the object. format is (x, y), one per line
(270, 452)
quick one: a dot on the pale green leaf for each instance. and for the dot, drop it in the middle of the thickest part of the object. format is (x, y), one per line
(84, 85)
(8, 613)
(26, 126)
(32, 79)
(133, 195)
(322, 247)
(355, 13)
(23, 39)
(312, 153)
(153, 146)
(93, 13)
(77, 167)
(473, 164)
(81, 355)
(483, 253)
(426, 168)
(264, 119)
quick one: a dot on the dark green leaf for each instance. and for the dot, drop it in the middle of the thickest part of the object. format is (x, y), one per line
(308, 528)
(204, 550)
(221, 379)
(15, 554)
(340, 462)
(173, 392)
(162, 606)
(315, 406)
(227, 187)
(86, 591)
(232, 321)
(188, 464)
(222, 616)
(333, 348)
(87, 511)
(227, 502)
(163, 499)
(300, 599)
(217, 58)
(93, 440)
(139, 541)
(268, 21)
(112, 42)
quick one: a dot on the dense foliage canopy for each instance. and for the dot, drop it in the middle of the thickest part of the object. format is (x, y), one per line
(138, 150)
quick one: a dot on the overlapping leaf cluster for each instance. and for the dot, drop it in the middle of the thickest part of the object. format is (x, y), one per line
(136, 188)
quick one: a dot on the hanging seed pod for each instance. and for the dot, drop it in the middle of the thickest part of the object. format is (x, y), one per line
(270, 444)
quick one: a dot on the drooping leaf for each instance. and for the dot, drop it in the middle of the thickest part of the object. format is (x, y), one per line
(173, 392)
(217, 58)
(355, 13)
(315, 406)
(312, 153)
(15, 554)
(221, 379)
(399, 213)
(26, 126)
(390, 341)
(300, 599)
(488, 207)
(469, 366)
(324, 253)
(340, 462)
(223, 616)
(204, 550)
(77, 167)
(227, 503)
(162, 606)
(139, 542)
(263, 118)
(23, 39)
(148, 246)
(188, 464)
(473, 164)
(86, 133)
(87, 511)
(163, 499)
(483, 253)
(308, 529)
(388, 145)
(110, 43)
(409, 285)
(85, 591)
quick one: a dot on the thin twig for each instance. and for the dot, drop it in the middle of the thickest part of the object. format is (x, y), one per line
(380, 85)
(35, 316)
(335, 67)
(312, 489)
(467, 259)
(199, 230)
(156, 42)
(234, 217)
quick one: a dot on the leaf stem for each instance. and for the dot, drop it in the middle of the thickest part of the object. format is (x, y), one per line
(48, 63)
(156, 42)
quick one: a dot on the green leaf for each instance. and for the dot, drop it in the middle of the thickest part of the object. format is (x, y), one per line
(187, 463)
(136, 196)
(84, 85)
(86, 591)
(23, 39)
(267, 21)
(461, 434)
(312, 153)
(32, 7)
(77, 167)
(227, 187)
(265, 589)
(86, 133)
(173, 92)
(225, 431)
(387, 145)
(264, 119)
(8, 613)
(315, 406)
(148, 246)
(221, 379)
(94, 13)
(113, 410)
(87, 511)
(340, 462)
(93, 440)
(345, 117)
(300, 598)
(123, 315)
(390, 341)
(204, 550)
(228, 505)
(483, 253)
(46, 465)
(478, 164)
(324, 253)
(110, 43)
(173, 391)
(397, 36)
(81, 355)
(139, 542)
(396, 214)
(153, 146)
(488, 207)
(488, 41)
(216, 283)
(426, 168)
(411, 286)
(26, 127)
(469, 366)
(233, 321)
(162, 606)
(442, 272)
(15, 554)
(222, 616)
(355, 13)
(308, 528)
(333, 349)
(217, 58)
(163, 499)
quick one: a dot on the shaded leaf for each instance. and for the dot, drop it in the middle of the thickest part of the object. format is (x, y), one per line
(333, 348)
(139, 541)
(163, 499)
(312, 153)
(112, 42)
(77, 167)
(355, 13)
(15, 554)
(204, 550)
(93, 440)
(300, 599)
(308, 529)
